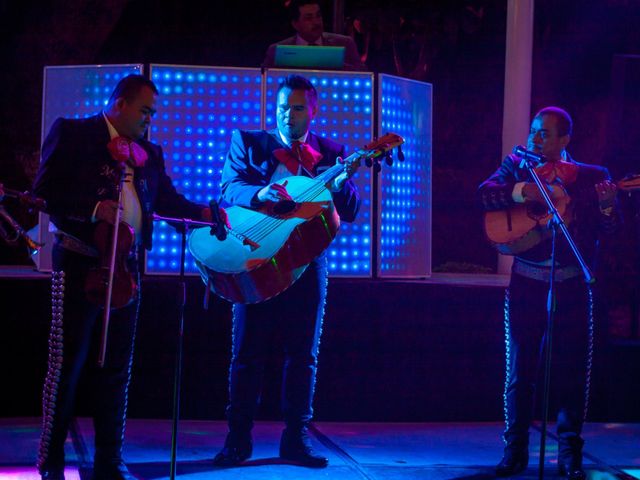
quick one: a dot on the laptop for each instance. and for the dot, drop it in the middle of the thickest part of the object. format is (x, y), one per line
(309, 57)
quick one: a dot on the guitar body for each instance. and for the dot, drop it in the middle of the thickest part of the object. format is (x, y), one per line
(521, 227)
(267, 250)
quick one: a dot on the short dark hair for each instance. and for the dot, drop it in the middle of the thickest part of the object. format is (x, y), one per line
(294, 7)
(129, 87)
(565, 123)
(298, 82)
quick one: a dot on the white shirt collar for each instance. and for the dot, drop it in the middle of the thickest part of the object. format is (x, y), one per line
(284, 139)
(302, 41)
(113, 133)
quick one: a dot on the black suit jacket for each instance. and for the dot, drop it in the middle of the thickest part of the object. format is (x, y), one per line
(583, 216)
(77, 172)
(250, 165)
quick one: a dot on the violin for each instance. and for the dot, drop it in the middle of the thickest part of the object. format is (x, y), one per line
(124, 288)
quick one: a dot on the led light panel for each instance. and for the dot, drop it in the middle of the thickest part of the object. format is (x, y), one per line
(404, 107)
(198, 108)
(345, 115)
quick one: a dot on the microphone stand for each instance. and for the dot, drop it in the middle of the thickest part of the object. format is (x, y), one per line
(185, 224)
(528, 162)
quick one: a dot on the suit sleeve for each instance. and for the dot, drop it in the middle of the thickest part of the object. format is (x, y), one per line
(270, 55)
(495, 193)
(241, 181)
(58, 179)
(347, 200)
(169, 202)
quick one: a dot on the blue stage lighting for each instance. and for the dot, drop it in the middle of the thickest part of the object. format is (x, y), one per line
(194, 132)
(404, 108)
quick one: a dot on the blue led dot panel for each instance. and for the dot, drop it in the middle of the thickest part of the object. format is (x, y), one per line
(79, 91)
(198, 108)
(74, 92)
(404, 108)
(345, 115)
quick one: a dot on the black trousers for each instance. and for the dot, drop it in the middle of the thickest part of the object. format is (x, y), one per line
(73, 350)
(294, 316)
(572, 336)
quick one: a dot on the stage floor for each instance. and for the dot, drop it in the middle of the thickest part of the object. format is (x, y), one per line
(356, 451)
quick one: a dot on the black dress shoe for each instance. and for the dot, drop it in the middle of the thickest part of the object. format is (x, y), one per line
(572, 473)
(52, 474)
(237, 448)
(570, 457)
(570, 465)
(112, 471)
(512, 463)
(296, 447)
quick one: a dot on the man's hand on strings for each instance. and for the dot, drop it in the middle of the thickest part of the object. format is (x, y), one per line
(274, 192)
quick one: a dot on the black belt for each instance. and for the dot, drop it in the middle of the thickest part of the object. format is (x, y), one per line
(73, 244)
(543, 273)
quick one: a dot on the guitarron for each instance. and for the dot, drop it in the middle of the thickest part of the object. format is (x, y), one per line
(267, 249)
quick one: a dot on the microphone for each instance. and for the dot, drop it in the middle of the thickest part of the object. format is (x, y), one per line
(522, 152)
(26, 198)
(218, 229)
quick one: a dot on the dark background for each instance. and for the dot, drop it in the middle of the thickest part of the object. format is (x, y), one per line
(586, 59)
(457, 45)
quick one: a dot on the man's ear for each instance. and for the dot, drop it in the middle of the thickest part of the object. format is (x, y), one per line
(565, 140)
(120, 101)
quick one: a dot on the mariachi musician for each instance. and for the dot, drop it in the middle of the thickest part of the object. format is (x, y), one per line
(257, 160)
(589, 197)
(83, 162)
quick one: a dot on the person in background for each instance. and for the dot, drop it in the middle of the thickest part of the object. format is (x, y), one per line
(306, 19)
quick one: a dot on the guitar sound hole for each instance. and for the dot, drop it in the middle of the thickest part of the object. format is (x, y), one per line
(284, 207)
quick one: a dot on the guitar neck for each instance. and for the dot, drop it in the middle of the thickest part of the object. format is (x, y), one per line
(331, 173)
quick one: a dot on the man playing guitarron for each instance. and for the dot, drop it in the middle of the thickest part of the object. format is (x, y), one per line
(590, 211)
(256, 161)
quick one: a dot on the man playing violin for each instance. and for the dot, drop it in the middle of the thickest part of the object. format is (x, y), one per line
(82, 163)
(589, 196)
(255, 162)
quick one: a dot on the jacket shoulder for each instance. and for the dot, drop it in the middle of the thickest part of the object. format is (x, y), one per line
(328, 144)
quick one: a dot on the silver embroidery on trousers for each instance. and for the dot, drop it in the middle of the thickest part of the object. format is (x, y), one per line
(507, 346)
(54, 367)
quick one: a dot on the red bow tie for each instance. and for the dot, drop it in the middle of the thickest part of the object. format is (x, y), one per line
(124, 150)
(299, 154)
(562, 171)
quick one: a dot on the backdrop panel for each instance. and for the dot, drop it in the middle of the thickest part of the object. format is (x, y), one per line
(198, 109)
(404, 107)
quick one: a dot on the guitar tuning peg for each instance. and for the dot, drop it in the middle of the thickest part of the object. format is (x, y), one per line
(368, 162)
(388, 159)
(400, 153)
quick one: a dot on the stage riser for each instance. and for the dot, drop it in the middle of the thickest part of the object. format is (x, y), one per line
(390, 351)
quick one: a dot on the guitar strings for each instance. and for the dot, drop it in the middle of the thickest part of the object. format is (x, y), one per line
(268, 224)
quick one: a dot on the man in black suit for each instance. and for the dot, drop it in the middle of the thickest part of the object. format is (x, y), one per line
(82, 161)
(590, 213)
(256, 160)
(306, 19)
